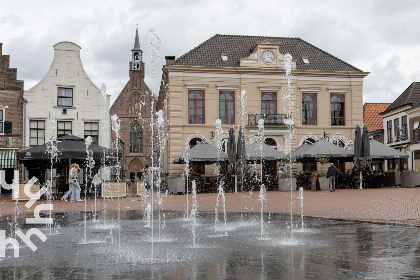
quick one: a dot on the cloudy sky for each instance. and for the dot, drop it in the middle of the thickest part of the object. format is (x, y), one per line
(376, 36)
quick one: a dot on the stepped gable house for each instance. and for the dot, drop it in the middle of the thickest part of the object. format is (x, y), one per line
(11, 117)
(133, 107)
(205, 84)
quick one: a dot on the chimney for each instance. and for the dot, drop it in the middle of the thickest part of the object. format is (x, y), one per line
(170, 60)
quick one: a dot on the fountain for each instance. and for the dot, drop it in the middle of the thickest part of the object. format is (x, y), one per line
(330, 249)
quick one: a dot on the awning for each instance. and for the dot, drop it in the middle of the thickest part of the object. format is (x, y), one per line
(8, 158)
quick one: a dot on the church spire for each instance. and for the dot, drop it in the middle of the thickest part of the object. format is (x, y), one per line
(136, 52)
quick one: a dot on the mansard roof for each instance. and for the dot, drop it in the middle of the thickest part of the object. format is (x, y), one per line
(208, 53)
(410, 96)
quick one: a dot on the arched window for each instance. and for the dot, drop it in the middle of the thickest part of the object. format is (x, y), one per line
(309, 108)
(269, 103)
(337, 109)
(196, 106)
(136, 139)
(194, 142)
(227, 107)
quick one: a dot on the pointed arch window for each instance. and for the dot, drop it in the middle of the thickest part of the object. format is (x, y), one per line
(136, 139)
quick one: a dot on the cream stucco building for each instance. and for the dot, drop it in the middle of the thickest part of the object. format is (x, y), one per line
(206, 83)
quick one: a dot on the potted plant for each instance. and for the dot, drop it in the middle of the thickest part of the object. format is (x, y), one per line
(114, 188)
(19, 194)
(286, 182)
(410, 179)
(323, 180)
(176, 183)
(392, 178)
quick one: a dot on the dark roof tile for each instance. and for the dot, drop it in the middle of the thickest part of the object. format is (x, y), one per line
(410, 96)
(208, 53)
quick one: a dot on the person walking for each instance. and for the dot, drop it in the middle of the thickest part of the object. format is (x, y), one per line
(74, 187)
(332, 174)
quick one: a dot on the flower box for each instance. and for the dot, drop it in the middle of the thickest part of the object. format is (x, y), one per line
(114, 189)
(176, 185)
(284, 184)
(324, 183)
(19, 194)
(410, 179)
(392, 179)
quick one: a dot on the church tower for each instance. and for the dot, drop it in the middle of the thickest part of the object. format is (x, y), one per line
(137, 53)
(133, 107)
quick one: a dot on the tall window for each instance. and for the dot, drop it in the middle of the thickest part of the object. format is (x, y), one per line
(227, 107)
(269, 103)
(309, 108)
(92, 130)
(404, 135)
(337, 109)
(63, 128)
(196, 106)
(397, 129)
(1, 121)
(198, 168)
(36, 133)
(389, 131)
(136, 139)
(65, 97)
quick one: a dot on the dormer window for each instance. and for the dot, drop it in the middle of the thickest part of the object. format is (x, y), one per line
(305, 60)
(225, 57)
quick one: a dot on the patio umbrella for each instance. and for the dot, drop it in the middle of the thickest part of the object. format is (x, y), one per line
(382, 151)
(322, 148)
(231, 150)
(365, 149)
(203, 152)
(255, 154)
(358, 152)
(68, 147)
(241, 152)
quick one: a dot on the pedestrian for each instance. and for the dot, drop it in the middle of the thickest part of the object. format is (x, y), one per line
(74, 187)
(332, 174)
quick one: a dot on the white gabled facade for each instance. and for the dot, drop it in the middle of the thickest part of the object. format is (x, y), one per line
(68, 95)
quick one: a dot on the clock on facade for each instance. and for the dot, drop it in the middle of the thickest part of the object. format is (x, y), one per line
(268, 56)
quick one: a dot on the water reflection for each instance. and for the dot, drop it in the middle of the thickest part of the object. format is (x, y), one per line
(327, 249)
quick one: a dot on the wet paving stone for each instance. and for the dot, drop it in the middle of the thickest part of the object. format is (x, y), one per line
(324, 249)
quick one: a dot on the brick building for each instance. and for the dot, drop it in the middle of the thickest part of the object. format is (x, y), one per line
(11, 117)
(133, 106)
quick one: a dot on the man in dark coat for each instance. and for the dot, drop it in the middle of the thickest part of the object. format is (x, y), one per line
(332, 173)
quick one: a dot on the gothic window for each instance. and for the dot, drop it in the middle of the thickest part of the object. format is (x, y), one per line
(136, 139)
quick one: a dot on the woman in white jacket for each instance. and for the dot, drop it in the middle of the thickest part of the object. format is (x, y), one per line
(74, 187)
